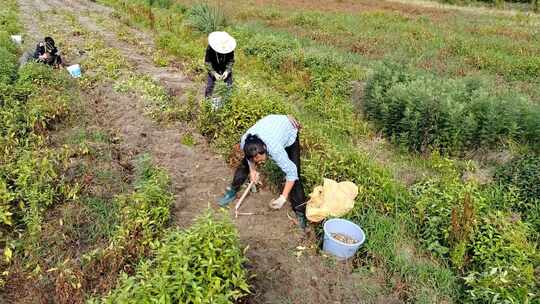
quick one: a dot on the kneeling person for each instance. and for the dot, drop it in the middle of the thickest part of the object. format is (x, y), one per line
(45, 52)
(275, 136)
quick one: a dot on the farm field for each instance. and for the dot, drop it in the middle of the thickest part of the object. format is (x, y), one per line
(109, 183)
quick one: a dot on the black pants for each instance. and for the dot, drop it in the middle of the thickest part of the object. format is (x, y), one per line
(297, 195)
(211, 83)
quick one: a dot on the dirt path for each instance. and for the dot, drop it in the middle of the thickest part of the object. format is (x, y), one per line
(284, 272)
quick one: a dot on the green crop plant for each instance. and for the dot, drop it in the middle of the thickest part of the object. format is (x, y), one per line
(426, 113)
(141, 219)
(522, 174)
(32, 99)
(8, 17)
(203, 264)
(105, 63)
(145, 212)
(188, 140)
(490, 248)
(240, 110)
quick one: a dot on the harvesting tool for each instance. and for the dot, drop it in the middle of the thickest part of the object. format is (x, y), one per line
(236, 213)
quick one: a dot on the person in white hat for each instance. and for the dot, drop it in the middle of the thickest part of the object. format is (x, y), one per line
(219, 60)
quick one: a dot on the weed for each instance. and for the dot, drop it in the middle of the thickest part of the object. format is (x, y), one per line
(188, 140)
(156, 96)
(206, 18)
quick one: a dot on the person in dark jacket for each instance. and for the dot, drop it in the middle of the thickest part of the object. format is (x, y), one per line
(45, 52)
(219, 60)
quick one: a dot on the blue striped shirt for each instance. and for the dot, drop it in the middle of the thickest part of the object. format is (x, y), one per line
(277, 132)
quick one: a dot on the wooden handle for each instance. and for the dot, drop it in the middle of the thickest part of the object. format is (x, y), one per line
(243, 197)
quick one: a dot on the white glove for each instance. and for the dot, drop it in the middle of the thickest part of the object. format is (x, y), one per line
(216, 75)
(225, 74)
(278, 203)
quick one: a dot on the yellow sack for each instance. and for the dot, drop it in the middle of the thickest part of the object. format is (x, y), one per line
(331, 199)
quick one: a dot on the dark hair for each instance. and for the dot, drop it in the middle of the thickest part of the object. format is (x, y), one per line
(253, 145)
(49, 44)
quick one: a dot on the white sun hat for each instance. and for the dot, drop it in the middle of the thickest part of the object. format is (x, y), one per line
(221, 42)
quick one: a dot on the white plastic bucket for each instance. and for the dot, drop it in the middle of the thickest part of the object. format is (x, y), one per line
(339, 249)
(74, 70)
(17, 39)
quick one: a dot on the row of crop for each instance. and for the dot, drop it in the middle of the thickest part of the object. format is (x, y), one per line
(32, 99)
(425, 113)
(32, 180)
(141, 239)
(203, 264)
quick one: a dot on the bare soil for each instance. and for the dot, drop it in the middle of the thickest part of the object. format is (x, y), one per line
(285, 263)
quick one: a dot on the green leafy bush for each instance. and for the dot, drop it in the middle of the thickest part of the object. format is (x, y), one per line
(203, 264)
(523, 174)
(8, 17)
(32, 99)
(206, 18)
(144, 212)
(245, 105)
(503, 262)
(491, 248)
(426, 113)
(8, 65)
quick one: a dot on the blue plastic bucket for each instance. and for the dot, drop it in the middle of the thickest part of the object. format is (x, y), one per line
(337, 248)
(74, 70)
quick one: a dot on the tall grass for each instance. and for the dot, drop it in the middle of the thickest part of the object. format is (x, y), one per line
(206, 18)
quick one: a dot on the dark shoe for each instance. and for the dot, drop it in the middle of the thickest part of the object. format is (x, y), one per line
(302, 220)
(229, 196)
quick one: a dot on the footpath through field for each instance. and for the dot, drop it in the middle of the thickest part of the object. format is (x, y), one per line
(284, 272)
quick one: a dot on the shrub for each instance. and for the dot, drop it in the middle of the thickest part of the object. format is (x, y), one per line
(523, 174)
(203, 264)
(206, 18)
(491, 248)
(426, 113)
(145, 212)
(503, 262)
(8, 66)
(241, 110)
